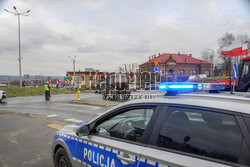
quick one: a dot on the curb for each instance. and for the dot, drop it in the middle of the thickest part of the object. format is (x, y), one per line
(97, 103)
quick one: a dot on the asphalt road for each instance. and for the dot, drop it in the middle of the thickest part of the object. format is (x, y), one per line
(55, 107)
(28, 124)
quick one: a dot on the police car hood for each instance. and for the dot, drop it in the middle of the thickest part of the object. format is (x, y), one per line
(72, 127)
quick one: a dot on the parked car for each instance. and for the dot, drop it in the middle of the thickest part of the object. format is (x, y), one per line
(3, 96)
(180, 131)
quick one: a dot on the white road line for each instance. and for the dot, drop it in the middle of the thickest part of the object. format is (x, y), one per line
(73, 120)
(53, 115)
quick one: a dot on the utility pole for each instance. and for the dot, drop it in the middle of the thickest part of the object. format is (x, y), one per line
(74, 68)
(18, 14)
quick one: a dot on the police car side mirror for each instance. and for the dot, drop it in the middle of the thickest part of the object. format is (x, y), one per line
(83, 131)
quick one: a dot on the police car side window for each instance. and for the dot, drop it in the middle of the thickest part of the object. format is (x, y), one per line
(205, 133)
(129, 125)
(247, 120)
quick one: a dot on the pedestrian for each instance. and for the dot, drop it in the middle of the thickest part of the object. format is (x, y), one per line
(46, 88)
(49, 91)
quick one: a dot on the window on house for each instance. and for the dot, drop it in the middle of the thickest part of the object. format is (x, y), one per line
(102, 77)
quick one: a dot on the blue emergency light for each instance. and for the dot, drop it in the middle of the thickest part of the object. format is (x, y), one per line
(177, 86)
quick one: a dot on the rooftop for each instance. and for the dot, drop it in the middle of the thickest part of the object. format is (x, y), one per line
(179, 58)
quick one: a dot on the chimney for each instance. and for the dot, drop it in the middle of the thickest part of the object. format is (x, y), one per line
(179, 53)
(149, 58)
(159, 54)
(190, 55)
(154, 56)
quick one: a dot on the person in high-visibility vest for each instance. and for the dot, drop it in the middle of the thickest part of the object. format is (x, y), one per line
(46, 88)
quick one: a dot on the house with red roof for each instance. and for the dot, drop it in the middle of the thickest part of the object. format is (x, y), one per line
(181, 64)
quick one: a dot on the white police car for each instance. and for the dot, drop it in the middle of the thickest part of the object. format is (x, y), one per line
(169, 131)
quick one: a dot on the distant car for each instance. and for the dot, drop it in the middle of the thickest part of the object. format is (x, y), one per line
(3, 96)
(180, 131)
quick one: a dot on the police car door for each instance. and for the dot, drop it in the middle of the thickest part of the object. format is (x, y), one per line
(196, 136)
(116, 138)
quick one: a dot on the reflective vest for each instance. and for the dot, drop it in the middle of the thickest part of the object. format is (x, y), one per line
(46, 87)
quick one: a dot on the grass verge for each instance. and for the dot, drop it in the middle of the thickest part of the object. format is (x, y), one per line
(33, 91)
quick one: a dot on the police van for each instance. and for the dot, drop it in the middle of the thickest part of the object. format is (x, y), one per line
(162, 132)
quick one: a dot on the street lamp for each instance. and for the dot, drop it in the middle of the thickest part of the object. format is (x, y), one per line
(18, 14)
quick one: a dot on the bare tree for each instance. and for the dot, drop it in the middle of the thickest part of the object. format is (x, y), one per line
(226, 40)
(242, 38)
(208, 55)
(129, 68)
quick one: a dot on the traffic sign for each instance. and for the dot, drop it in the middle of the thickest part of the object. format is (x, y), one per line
(67, 78)
(156, 63)
(156, 69)
(235, 72)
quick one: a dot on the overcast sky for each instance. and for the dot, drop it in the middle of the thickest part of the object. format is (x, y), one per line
(105, 34)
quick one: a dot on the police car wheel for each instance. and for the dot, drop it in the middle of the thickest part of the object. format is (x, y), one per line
(62, 159)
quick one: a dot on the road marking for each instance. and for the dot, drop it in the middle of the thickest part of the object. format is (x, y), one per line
(54, 126)
(73, 120)
(53, 115)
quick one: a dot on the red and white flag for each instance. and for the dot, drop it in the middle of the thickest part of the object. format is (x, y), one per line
(235, 50)
(49, 82)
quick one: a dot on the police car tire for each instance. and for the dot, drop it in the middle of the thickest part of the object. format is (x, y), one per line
(62, 154)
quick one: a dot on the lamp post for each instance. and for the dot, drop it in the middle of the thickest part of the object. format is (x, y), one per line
(74, 69)
(18, 14)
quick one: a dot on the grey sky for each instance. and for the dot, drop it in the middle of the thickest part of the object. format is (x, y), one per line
(107, 34)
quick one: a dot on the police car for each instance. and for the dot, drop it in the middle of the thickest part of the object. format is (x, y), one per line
(166, 131)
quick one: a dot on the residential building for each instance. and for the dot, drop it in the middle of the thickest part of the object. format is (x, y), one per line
(181, 64)
(87, 78)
